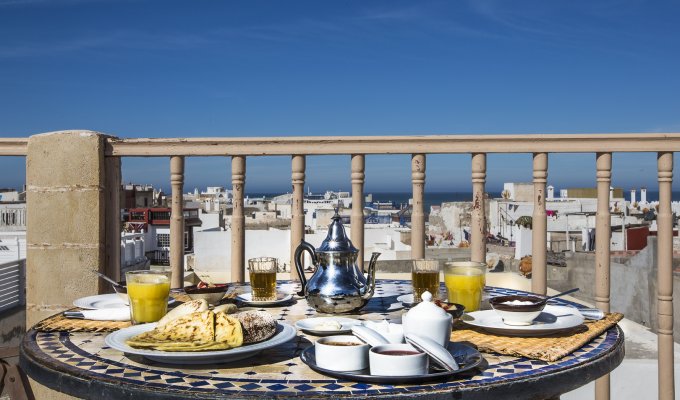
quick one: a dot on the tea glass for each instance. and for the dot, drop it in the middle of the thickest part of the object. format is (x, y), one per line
(465, 282)
(148, 293)
(263, 277)
(425, 277)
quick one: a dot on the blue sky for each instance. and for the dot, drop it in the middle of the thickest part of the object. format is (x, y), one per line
(281, 68)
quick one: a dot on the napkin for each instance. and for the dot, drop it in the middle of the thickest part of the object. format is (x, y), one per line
(106, 314)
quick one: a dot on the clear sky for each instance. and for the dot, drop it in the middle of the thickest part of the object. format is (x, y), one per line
(281, 68)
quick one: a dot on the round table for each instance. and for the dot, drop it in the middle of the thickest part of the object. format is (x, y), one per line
(80, 364)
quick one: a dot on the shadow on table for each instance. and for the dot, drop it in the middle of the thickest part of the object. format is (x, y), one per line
(284, 352)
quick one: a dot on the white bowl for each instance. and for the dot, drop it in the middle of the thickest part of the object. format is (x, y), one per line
(341, 358)
(397, 365)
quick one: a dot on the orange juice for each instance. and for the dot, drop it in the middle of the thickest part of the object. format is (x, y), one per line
(464, 286)
(148, 294)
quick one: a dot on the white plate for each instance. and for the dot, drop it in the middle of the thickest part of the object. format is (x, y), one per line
(309, 325)
(103, 301)
(281, 298)
(116, 340)
(406, 299)
(553, 319)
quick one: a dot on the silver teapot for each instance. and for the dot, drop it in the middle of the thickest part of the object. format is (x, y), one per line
(337, 284)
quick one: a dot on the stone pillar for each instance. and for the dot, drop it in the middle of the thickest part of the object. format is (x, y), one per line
(357, 218)
(539, 282)
(665, 277)
(66, 230)
(297, 219)
(418, 215)
(66, 199)
(177, 222)
(238, 222)
(113, 225)
(602, 250)
(478, 223)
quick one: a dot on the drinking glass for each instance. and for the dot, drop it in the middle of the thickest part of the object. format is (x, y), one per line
(465, 282)
(148, 293)
(425, 278)
(263, 277)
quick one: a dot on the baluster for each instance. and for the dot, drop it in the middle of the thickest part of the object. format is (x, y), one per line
(238, 231)
(177, 221)
(357, 218)
(602, 250)
(539, 278)
(112, 220)
(297, 220)
(664, 221)
(478, 223)
(417, 216)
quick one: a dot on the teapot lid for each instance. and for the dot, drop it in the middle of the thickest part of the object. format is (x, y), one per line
(337, 240)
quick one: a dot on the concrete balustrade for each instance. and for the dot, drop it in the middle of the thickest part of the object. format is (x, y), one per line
(177, 222)
(73, 181)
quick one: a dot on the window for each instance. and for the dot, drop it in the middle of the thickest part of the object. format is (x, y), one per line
(163, 240)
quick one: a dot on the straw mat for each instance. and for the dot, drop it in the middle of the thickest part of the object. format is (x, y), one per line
(547, 348)
(60, 323)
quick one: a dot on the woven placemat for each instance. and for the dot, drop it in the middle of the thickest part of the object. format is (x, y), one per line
(59, 323)
(547, 348)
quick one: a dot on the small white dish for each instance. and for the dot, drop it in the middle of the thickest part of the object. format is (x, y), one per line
(311, 325)
(552, 319)
(394, 333)
(104, 301)
(341, 353)
(406, 300)
(397, 360)
(247, 299)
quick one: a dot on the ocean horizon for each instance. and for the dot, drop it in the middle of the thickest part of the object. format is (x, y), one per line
(436, 198)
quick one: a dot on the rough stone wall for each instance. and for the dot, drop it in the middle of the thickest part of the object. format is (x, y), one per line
(633, 284)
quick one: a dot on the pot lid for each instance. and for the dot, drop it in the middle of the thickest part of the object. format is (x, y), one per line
(427, 310)
(438, 353)
(368, 335)
(337, 240)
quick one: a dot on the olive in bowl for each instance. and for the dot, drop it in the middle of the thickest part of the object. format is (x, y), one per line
(517, 310)
(456, 310)
(211, 293)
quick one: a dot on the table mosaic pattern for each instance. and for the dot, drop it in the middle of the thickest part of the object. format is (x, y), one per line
(279, 371)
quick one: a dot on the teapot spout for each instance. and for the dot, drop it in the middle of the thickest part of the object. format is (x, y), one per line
(370, 280)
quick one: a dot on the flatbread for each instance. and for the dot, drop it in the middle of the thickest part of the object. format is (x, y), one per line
(228, 330)
(200, 331)
(183, 309)
(196, 328)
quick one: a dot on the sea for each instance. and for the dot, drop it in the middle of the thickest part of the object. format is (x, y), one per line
(437, 198)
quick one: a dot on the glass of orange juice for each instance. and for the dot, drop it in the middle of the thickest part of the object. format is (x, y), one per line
(465, 282)
(148, 293)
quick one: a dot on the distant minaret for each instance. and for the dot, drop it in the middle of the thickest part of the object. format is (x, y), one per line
(611, 193)
(643, 195)
(632, 196)
(551, 192)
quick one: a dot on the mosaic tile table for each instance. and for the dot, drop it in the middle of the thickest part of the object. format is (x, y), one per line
(81, 365)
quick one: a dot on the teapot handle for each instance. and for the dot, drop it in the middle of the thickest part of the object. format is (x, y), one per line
(298, 263)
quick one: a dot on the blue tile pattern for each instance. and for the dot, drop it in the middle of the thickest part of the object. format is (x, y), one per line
(280, 371)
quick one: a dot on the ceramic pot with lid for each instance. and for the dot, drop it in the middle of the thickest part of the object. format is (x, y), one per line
(428, 320)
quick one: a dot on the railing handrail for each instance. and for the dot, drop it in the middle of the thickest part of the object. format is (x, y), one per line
(427, 144)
